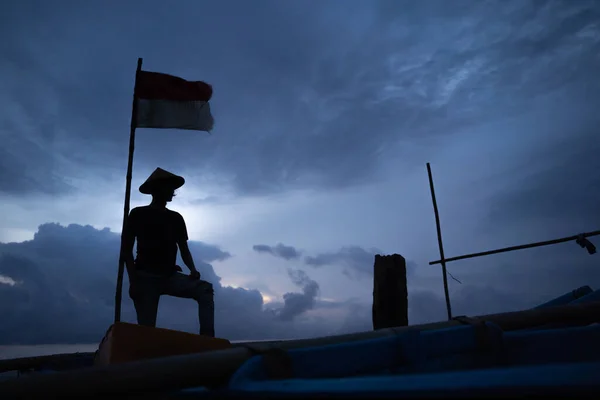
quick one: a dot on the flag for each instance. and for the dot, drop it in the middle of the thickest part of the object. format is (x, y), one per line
(169, 102)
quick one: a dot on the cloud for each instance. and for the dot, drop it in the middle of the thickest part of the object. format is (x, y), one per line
(356, 261)
(336, 100)
(59, 288)
(566, 189)
(208, 252)
(206, 200)
(297, 303)
(5, 280)
(18, 177)
(280, 250)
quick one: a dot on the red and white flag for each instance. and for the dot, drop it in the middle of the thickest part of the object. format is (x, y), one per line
(169, 102)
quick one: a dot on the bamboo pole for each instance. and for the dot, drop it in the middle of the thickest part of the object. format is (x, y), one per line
(121, 270)
(213, 369)
(443, 260)
(440, 243)
(567, 297)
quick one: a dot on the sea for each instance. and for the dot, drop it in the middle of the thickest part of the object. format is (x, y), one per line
(18, 351)
(7, 352)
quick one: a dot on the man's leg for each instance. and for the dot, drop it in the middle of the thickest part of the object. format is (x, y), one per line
(146, 295)
(180, 285)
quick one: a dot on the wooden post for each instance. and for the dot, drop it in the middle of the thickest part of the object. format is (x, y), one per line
(390, 292)
(128, 177)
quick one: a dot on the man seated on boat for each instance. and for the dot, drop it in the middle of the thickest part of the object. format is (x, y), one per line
(159, 232)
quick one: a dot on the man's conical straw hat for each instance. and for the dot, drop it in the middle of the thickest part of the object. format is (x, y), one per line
(161, 179)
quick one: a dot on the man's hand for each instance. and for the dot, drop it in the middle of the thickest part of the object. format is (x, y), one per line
(195, 275)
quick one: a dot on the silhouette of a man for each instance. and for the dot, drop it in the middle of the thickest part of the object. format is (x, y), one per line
(159, 232)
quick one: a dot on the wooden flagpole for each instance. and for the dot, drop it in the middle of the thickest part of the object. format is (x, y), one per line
(440, 244)
(119, 291)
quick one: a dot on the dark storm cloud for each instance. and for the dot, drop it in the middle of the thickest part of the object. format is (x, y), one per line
(59, 288)
(279, 250)
(30, 171)
(426, 306)
(560, 181)
(505, 282)
(356, 261)
(295, 304)
(544, 271)
(28, 124)
(295, 107)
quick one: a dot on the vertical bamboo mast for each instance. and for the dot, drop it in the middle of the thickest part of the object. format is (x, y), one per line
(119, 291)
(440, 244)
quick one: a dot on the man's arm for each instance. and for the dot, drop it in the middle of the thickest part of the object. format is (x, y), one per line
(128, 240)
(186, 255)
(184, 250)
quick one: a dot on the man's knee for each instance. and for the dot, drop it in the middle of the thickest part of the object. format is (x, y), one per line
(204, 292)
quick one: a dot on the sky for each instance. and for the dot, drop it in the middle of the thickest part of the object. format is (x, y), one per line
(326, 115)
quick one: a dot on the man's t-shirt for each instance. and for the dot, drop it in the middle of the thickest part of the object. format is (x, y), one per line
(157, 230)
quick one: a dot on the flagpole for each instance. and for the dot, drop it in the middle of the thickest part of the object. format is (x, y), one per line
(121, 272)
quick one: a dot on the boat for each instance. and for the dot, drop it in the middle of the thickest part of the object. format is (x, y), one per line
(548, 350)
